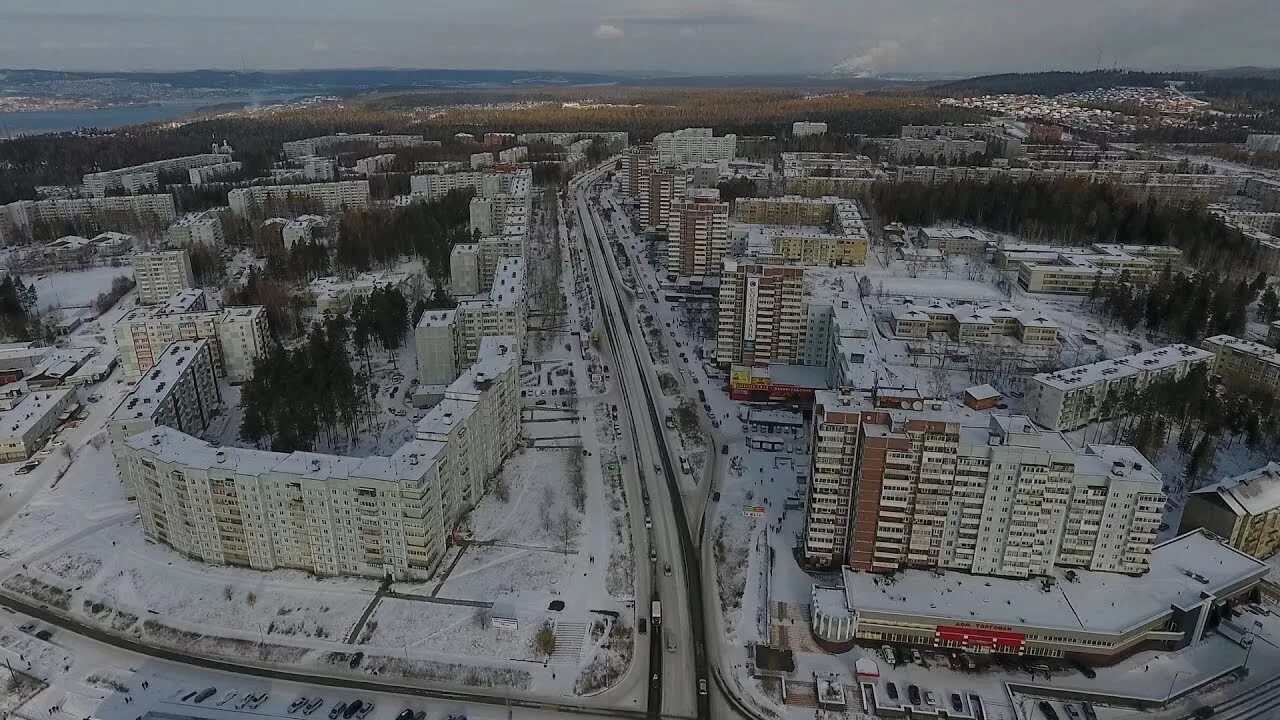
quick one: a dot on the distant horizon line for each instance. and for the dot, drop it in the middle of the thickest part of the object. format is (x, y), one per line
(632, 72)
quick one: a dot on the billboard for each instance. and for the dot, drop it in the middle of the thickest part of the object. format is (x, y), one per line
(750, 306)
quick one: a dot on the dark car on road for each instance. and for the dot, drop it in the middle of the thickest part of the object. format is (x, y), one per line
(913, 694)
(1047, 710)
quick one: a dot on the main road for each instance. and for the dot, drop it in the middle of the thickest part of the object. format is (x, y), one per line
(677, 511)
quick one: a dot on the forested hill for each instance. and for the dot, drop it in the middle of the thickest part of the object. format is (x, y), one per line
(1056, 82)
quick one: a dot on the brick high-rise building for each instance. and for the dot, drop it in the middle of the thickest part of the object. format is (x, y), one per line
(697, 237)
(761, 315)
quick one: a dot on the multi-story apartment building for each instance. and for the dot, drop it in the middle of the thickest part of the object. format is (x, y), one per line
(616, 140)
(514, 155)
(302, 229)
(197, 228)
(180, 391)
(1244, 361)
(1074, 397)
(161, 274)
(697, 237)
(760, 318)
(238, 335)
(376, 164)
(1077, 271)
(333, 197)
(804, 128)
(449, 340)
(492, 181)
(816, 232)
(892, 488)
(464, 269)
(637, 163)
(18, 217)
(384, 517)
(213, 173)
(694, 145)
(659, 190)
(488, 213)
(139, 179)
(1244, 510)
(318, 145)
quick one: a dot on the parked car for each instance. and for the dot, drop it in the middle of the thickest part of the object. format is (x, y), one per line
(1085, 670)
(890, 655)
(915, 657)
(26, 468)
(231, 695)
(1047, 710)
(45, 635)
(355, 659)
(1072, 712)
(1202, 713)
(188, 696)
(352, 709)
(206, 694)
(297, 704)
(642, 625)
(259, 699)
(405, 714)
(1089, 713)
(892, 691)
(913, 694)
(929, 699)
(968, 661)
(337, 709)
(956, 703)
(312, 706)
(28, 627)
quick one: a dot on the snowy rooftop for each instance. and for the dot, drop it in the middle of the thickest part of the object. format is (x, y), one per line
(147, 396)
(982, 392)
(172, 446)
(30, 410)
(1247, 347)
(496, 355)
(1158, 359)
(1252, 493)
(1183, 570)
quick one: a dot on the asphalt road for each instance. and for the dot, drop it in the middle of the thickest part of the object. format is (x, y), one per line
(616, 311)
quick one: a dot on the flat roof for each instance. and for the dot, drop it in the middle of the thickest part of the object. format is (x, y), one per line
(1251, 493)
(1182, 571)
(31, 409)
(159, 381)
(1157, 359)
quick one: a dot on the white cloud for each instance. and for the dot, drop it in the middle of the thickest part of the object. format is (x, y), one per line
(609, 32)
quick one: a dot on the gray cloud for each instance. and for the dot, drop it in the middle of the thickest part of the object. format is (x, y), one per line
(713, 36)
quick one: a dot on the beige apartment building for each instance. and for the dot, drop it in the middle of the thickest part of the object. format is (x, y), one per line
(1074, 397)
(1244, 361)
(697, 237)
(239, 335)
(808, 231)
(161, 274)
(659, 190)
(179, 391)
(449, 340)
(761, 319)
(1244, 510)
(383, 517)
(333, 197)
(898, 481)
(637, 163)
(34, 417)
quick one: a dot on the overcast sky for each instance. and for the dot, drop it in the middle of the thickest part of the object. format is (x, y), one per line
(647, 35)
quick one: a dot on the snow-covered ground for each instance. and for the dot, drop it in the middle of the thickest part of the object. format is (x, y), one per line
(77, 288)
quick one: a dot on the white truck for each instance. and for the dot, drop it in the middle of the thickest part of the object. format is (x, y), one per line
(655, 613)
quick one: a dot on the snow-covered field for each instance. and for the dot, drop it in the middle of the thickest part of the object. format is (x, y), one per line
(78, 288)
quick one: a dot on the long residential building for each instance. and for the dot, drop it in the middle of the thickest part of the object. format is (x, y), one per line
(449, 340)
(381, 517)
(19, 217)
(239, 335)
(161, 274)
(899, 481)
(493, 181)
(659, 190)
(180, 391)
(319, 145)
(333, 197)
(1074, 397)
(694, 145)
(807, 231)
(140, 179)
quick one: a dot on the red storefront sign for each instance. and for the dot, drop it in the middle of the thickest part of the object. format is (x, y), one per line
(994, 640)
